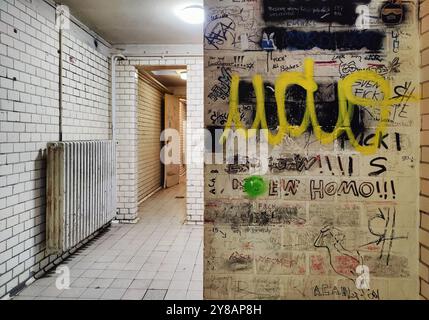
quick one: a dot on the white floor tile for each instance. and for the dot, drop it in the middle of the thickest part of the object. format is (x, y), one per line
(157, 258)
(121, 283)
(92, 293)
(133, 294)
(113, 294)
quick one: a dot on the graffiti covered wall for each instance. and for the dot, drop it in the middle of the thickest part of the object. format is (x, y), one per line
(330, 87)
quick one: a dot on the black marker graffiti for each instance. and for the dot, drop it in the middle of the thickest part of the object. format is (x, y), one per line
(221, 89)
(382, 167)
(332, 239)
(293, 163)
(219, 31)
(328, 11)
(386, 235)
(319, 189)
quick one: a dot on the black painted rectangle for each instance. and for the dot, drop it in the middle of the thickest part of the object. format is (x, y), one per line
(286, 39)
(328, 11)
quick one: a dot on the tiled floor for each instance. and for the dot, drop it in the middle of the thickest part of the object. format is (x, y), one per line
(157, 258)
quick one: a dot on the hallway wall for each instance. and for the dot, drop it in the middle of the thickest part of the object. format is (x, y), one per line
(29, 96)
(334, 214)
(126, 148)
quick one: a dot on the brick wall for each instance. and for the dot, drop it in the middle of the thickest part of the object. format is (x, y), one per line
(194, 142)
(424, 166)
(29, 80)
(126, 126)
(127, 176)
(86, 92)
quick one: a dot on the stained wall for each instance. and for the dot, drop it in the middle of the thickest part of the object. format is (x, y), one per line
(336, 84)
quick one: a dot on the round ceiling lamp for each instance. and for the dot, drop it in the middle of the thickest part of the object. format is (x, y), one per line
(192, 14)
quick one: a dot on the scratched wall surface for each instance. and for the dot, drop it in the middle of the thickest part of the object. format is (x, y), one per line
(336, 84)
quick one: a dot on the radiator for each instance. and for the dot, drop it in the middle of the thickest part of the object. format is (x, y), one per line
(80, 191)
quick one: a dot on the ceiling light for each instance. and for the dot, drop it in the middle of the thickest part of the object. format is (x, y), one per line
(165, 72)
(192, 14)
(183, 75)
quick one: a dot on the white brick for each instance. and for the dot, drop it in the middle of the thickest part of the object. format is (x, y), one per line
(6, 18)
(6, 40)
(5, 278)
(6, 62)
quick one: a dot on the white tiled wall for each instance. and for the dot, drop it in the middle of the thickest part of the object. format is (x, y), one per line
(195, 143)
(127, 181)
(86, 92)
(126, 155)
(29, 119)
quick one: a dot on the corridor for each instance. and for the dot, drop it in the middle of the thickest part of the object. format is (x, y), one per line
(157, 258)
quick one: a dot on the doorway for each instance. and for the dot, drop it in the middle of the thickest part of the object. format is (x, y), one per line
(161, 105)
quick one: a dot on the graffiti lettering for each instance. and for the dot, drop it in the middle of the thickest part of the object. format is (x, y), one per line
(347, 99)
(365, 189)
(328, 11)
(221, 90)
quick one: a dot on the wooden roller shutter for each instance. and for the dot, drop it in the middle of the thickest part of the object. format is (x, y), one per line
(149, 126)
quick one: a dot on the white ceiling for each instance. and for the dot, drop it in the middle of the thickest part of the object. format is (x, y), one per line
(170, 80)
(169, 77)
(137, 21)
(166, 75)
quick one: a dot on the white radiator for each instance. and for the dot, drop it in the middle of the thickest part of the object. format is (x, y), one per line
(80, 191)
